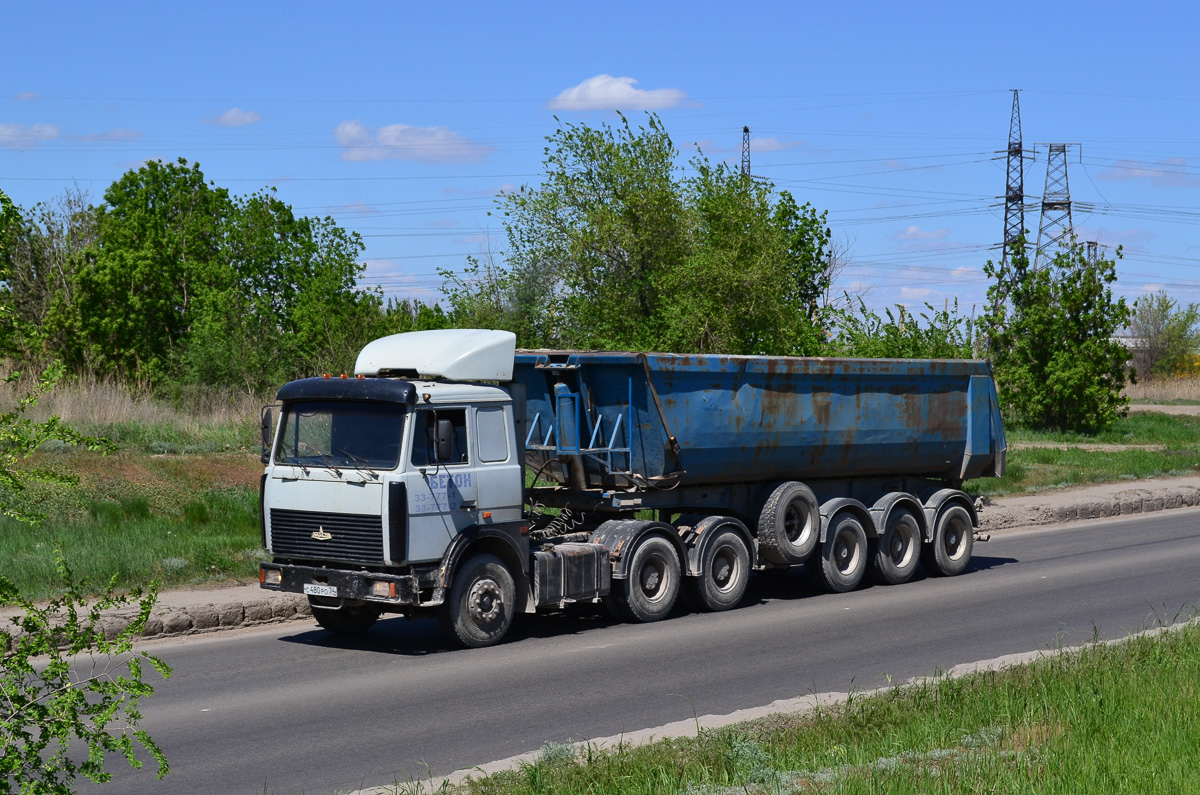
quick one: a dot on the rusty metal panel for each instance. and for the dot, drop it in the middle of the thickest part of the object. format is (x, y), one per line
(728, 419)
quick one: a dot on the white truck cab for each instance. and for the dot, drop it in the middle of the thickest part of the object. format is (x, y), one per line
(373, 480)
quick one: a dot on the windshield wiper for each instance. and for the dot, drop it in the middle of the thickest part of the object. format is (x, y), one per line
(359, 464)
(329, 463)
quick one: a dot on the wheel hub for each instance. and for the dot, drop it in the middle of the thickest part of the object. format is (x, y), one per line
(651, 579)
(722, 571)
(484, 602)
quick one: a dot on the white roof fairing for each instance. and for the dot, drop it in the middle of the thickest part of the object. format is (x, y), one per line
(452, 354)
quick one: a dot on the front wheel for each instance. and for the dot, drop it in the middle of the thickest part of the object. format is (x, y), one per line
(344, 620)
(479, 608)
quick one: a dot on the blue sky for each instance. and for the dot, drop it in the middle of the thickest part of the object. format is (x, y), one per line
(403, 120)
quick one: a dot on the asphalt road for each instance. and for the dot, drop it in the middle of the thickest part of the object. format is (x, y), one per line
(292, 709)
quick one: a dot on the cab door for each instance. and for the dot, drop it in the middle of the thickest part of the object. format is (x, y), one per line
(441, 484)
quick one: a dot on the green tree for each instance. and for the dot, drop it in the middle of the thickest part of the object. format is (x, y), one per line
(9, 214)
(1056, 361)
(617, 248)
(1166, 335)
(754, 273)
(40, 253)
(158, 249)
(283, 299)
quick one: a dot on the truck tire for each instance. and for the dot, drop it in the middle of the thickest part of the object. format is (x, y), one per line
(649, 591)
(479, 608)
(344, 620)
(842, 561)
(953, 539)
(724, 572)
(789, 525)
(898, 549)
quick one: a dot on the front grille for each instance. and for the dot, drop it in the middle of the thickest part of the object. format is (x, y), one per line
(356, 537)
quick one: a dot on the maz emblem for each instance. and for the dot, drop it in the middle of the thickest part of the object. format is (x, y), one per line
(321, 535)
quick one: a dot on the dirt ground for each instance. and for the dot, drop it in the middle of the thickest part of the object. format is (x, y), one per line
(1166, 409)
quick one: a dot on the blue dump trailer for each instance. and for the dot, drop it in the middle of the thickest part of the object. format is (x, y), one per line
(456, 476)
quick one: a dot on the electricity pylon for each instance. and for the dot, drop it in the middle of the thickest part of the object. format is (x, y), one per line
(1014, 192)
(746, 151)
(1056, 221)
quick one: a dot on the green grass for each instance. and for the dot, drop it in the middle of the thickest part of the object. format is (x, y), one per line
(1032, 469)
(1038, 468)
(1137, 428)
(180, 520)
(166, 437)
(1106, 718)
(213, 538)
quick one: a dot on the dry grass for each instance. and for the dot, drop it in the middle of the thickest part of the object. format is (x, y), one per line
(1175, 389)
(90, 401)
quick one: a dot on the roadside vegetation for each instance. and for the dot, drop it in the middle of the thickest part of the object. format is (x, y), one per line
(1141, 445)
(1088, 720)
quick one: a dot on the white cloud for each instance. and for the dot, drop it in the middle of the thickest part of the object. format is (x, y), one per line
(964, 273)
(1153, 288)
(507, 187)
(917, 233)
(397, 282)
(353, 208)
(772, 145)
(1169, 173)
(605, 92)
(405, 142)
(917, 293)
(119, 134)
(25, 96)
(235, 117)
(20, 136)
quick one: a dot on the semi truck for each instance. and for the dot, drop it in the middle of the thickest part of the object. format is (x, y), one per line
(452, 475)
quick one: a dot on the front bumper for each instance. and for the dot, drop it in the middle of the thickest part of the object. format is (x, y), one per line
(353, 587)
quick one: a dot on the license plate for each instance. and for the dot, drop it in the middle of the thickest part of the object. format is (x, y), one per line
(312, 589)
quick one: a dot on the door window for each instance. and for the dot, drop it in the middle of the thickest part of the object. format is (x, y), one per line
(446, 428)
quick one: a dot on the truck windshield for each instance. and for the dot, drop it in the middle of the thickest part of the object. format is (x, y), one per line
(330, 433)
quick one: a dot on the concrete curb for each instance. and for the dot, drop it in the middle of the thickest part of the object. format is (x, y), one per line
(1101, 502)
(198, 618)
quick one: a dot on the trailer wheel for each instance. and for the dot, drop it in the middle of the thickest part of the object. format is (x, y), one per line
(789, 525)
(898, 549)
(649, 591)
(953, 539)
(344, 620)
(842, 562)
(479, 608)
(724, 572)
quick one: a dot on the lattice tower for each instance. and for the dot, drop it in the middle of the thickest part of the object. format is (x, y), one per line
(746, 151)
(1056, 205)
(1014, 193)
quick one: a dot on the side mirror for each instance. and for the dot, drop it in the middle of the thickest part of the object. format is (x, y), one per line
(268, 425)
(444, 441)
